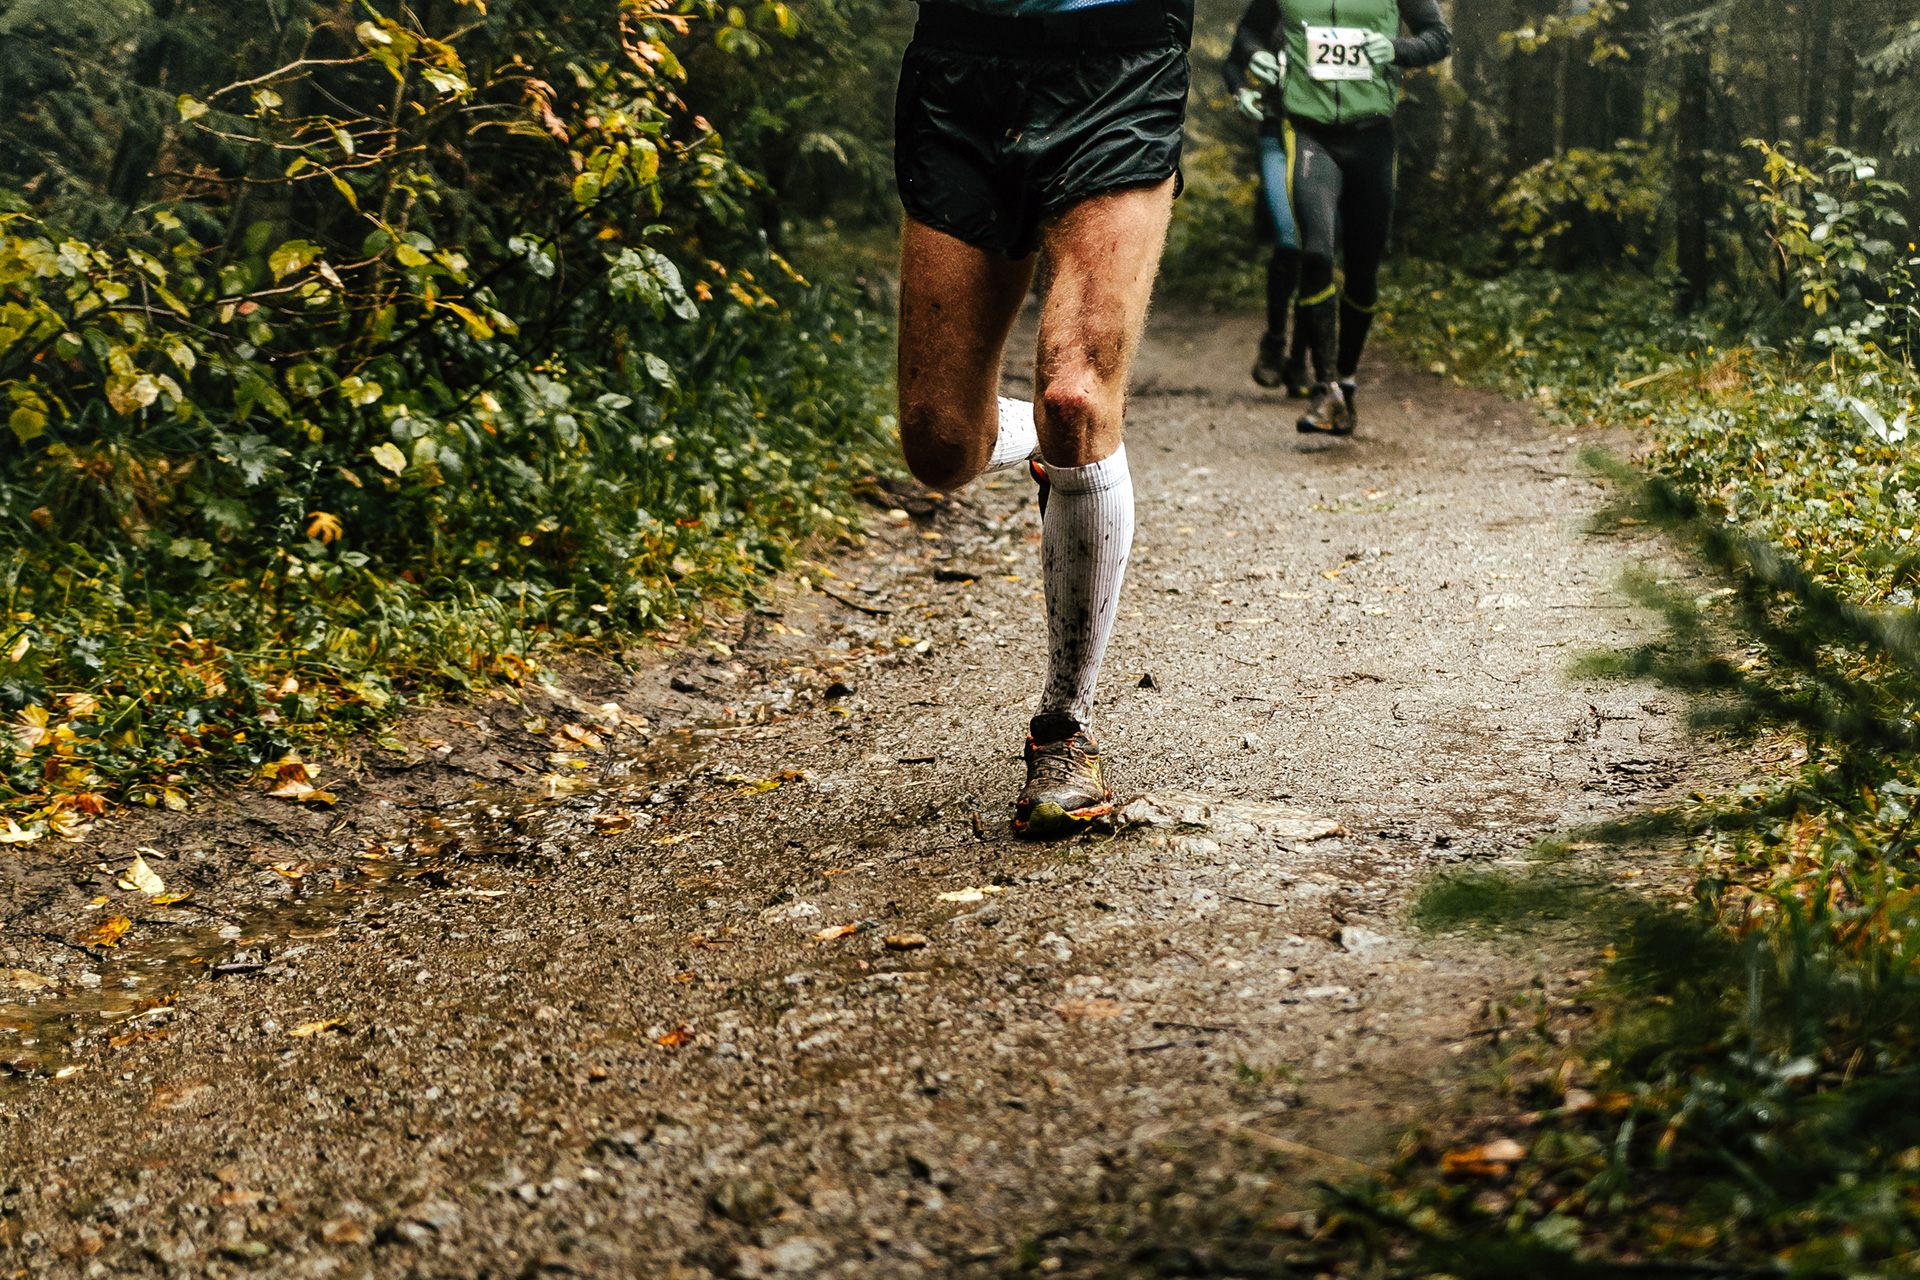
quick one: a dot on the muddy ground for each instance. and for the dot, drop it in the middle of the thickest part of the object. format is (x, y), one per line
(723, 961)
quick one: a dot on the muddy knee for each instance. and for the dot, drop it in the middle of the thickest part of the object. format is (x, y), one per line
(1081, 423)
(940, 449)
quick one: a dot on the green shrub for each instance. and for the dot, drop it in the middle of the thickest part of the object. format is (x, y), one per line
(426, 343)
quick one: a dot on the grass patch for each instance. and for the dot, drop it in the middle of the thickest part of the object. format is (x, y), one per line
(1721, 1101)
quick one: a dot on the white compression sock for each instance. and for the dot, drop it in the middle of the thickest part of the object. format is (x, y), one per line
(1018, 436)
(1084, 541)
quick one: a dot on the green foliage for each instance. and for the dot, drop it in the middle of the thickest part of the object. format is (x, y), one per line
(1822, 227)
(1896, 87)
(413, 346)
(1213, 253)
(1734, 1090)
(1617, 194)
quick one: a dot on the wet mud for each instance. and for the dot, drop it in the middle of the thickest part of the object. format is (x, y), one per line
(720, 960)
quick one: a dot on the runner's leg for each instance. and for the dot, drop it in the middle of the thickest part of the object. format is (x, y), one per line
(1316, 203)
(1283, 269)
(1101, 255)
(1366, 210)
(957, 305)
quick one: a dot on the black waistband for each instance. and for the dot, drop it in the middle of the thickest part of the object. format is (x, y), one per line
(1131, 24)
(1344, 129)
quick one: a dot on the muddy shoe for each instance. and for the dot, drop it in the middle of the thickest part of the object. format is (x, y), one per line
(1327, 413)
(1064, 789)
(1352, 417)
(1266, 365)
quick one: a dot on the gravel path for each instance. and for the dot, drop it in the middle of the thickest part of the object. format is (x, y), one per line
(477, 1022)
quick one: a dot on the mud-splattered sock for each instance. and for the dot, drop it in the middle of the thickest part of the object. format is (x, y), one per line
(1018, 437)
(1084, 541)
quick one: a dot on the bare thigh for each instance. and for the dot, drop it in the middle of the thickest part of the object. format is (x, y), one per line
(1101, 257)
(957, 305)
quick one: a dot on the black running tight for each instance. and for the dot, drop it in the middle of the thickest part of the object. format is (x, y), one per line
(1342, 178)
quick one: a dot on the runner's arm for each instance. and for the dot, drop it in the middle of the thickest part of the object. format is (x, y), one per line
(1430, 41)
(1253, 35)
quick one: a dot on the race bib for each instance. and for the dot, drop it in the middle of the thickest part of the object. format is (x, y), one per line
(1338, 53)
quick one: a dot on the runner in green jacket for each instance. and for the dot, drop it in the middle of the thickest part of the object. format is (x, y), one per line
(1338, 87)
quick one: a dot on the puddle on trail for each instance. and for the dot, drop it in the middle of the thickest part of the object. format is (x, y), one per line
(50, 1017)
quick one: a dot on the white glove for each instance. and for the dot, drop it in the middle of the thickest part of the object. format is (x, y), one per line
(1248, 100)
(1379, 49)
(1267, 68)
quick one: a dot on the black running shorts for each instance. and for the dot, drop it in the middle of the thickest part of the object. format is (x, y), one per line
(1003, 121)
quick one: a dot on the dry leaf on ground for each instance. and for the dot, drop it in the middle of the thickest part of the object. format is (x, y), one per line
(969, 895)
(676, 1037)
(10, 833)
(181, 1093)
(1089, 1008)
(106, 933)
(906, 941)
(1489, 1159)
(141, 878)
(833, 931)
(315, 1028)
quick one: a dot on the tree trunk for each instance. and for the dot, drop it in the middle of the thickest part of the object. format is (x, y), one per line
(1813, 119)
(1627, 80)
(1844, 87)
(1532, 96)
(1588, 122)
(1689, 186)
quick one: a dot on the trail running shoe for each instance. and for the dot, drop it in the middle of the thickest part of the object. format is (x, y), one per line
(1064, 789)
(1266, 364)
(1299, 385)
(1347, 390)
(1040, 478)
(1328, 412)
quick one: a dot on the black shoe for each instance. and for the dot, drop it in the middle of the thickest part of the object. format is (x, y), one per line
(1064, 788)
(1347, 390)
(1039, 474)
(1327, 413)
(1266, 365)
(1299, 385)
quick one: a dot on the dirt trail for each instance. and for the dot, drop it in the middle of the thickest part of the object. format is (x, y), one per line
(594, 1033)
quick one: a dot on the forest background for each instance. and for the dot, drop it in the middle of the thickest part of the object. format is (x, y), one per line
(355, 351)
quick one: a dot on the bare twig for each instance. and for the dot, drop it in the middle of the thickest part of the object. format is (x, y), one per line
(1292, 1148)
(871, 610)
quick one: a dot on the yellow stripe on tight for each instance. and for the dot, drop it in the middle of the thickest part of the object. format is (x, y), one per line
(1320, 297)
(1286, 134)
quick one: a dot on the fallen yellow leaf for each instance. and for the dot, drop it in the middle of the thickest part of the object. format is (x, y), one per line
(969, 895)
(306, 1029)
(833, 931)
(12, 834)
(324, 527)
(31, 727)
(1090, 1009)
(106, 933)
(141, 878)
